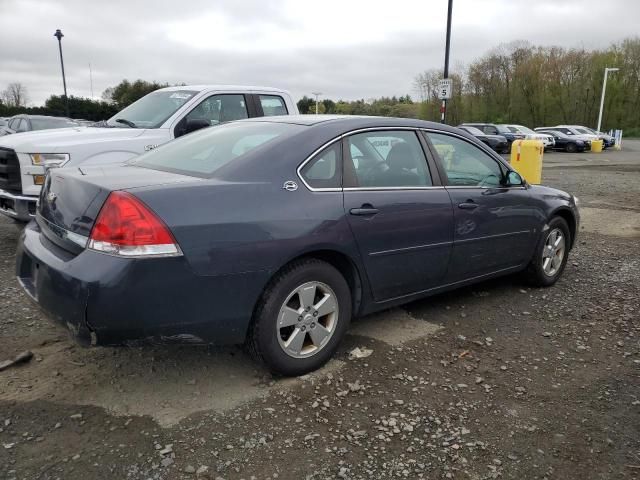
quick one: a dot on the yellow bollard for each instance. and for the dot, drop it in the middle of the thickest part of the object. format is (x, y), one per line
(596, 146)
(526, 158)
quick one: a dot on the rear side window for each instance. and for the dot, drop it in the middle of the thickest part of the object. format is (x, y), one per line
(324, 170)
(202, 153)
(385, 159)
(272, 105)
(466, 165)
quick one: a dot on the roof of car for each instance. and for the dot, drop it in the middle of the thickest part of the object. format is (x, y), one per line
(230, 88)
(351, 121)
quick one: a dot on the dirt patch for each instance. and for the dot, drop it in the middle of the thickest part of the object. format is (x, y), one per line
(169, 383)
(618, 223)
(393, 327)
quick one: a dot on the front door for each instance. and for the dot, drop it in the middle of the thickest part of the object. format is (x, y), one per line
(401, 219)
(494, 224)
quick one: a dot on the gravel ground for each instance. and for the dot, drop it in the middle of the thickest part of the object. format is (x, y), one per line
(517, 383)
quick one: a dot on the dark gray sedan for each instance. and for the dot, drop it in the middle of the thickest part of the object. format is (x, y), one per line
(276, 231)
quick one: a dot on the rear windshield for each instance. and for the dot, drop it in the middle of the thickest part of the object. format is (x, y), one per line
(47, 123)
(202, 153)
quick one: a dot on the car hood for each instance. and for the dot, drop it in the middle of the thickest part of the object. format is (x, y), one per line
(58, 140)
(543, 191)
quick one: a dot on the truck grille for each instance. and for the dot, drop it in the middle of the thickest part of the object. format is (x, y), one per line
(10, 171)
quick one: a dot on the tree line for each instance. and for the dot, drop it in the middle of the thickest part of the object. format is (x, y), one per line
(517, 82)
(14, 100)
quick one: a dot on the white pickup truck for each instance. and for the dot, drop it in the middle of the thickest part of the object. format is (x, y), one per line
(155, 119)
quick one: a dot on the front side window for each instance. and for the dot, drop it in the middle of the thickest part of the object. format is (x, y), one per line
(465, 164)
(201, 154)
(219, 109)
(380, 159)
(14, 123)
(152, 110)
(272, 105)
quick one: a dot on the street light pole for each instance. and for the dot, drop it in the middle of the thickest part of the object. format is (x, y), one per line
(443, 108)
(604, 89)
(317, 94)
(59, 36)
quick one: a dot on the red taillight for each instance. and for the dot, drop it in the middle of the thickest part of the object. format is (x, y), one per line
(126, 226)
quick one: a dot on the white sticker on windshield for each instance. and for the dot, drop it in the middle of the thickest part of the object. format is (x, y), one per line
(181, 96)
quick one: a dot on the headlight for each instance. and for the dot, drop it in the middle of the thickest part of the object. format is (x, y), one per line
(49, 160)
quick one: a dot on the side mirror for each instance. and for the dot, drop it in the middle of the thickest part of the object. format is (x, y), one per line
(514, 179)
(196, 124)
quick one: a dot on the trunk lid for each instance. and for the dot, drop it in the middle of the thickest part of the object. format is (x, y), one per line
(71, 198)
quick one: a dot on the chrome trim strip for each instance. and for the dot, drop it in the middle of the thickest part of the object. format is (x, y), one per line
(401, 250)
(63, 233)
(499, 235)
(462, 187)
(356, 189)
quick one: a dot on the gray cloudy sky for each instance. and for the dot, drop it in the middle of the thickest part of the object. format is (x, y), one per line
(345, 48)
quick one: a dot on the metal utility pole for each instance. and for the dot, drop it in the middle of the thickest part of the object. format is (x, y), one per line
(604, 89)
(443, 108)
(317, 94)
(59, 36)
(91, 80)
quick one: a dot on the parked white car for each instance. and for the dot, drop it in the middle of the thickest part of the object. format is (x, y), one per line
(151, 121)
(547, 140)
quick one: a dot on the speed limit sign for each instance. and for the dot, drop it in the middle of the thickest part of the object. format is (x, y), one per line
(444, 88)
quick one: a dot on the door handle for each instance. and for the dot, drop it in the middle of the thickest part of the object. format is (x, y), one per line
(366, 209)
(468, 205)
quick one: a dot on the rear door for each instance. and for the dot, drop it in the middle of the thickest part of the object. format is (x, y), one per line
(398, 211)
(494, 225)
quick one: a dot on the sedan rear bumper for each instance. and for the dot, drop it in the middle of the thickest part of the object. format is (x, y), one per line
(107, 300)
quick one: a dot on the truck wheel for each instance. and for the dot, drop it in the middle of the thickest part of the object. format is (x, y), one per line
(551, 254)
(301, 318)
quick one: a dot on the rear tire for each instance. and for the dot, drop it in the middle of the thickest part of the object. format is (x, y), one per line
(301, 318)
(551, 254)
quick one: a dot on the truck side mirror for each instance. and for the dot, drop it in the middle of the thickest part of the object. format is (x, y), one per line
(195, 124)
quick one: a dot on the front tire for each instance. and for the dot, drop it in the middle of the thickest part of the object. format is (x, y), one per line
(551, 254)
(301, 318)
(571, 148)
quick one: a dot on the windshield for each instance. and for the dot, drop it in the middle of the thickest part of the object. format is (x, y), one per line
(46, 123)
(502, 129)
(583, 131)
(202, 153)
(473, 130)
(152, 110)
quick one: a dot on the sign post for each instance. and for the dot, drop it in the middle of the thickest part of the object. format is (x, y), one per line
(444, 93)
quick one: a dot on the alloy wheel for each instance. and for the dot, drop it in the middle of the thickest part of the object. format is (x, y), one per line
(553, 252)
(307, 319)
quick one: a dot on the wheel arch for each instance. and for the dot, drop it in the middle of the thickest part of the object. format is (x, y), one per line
(337, 259)
(567, 215)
